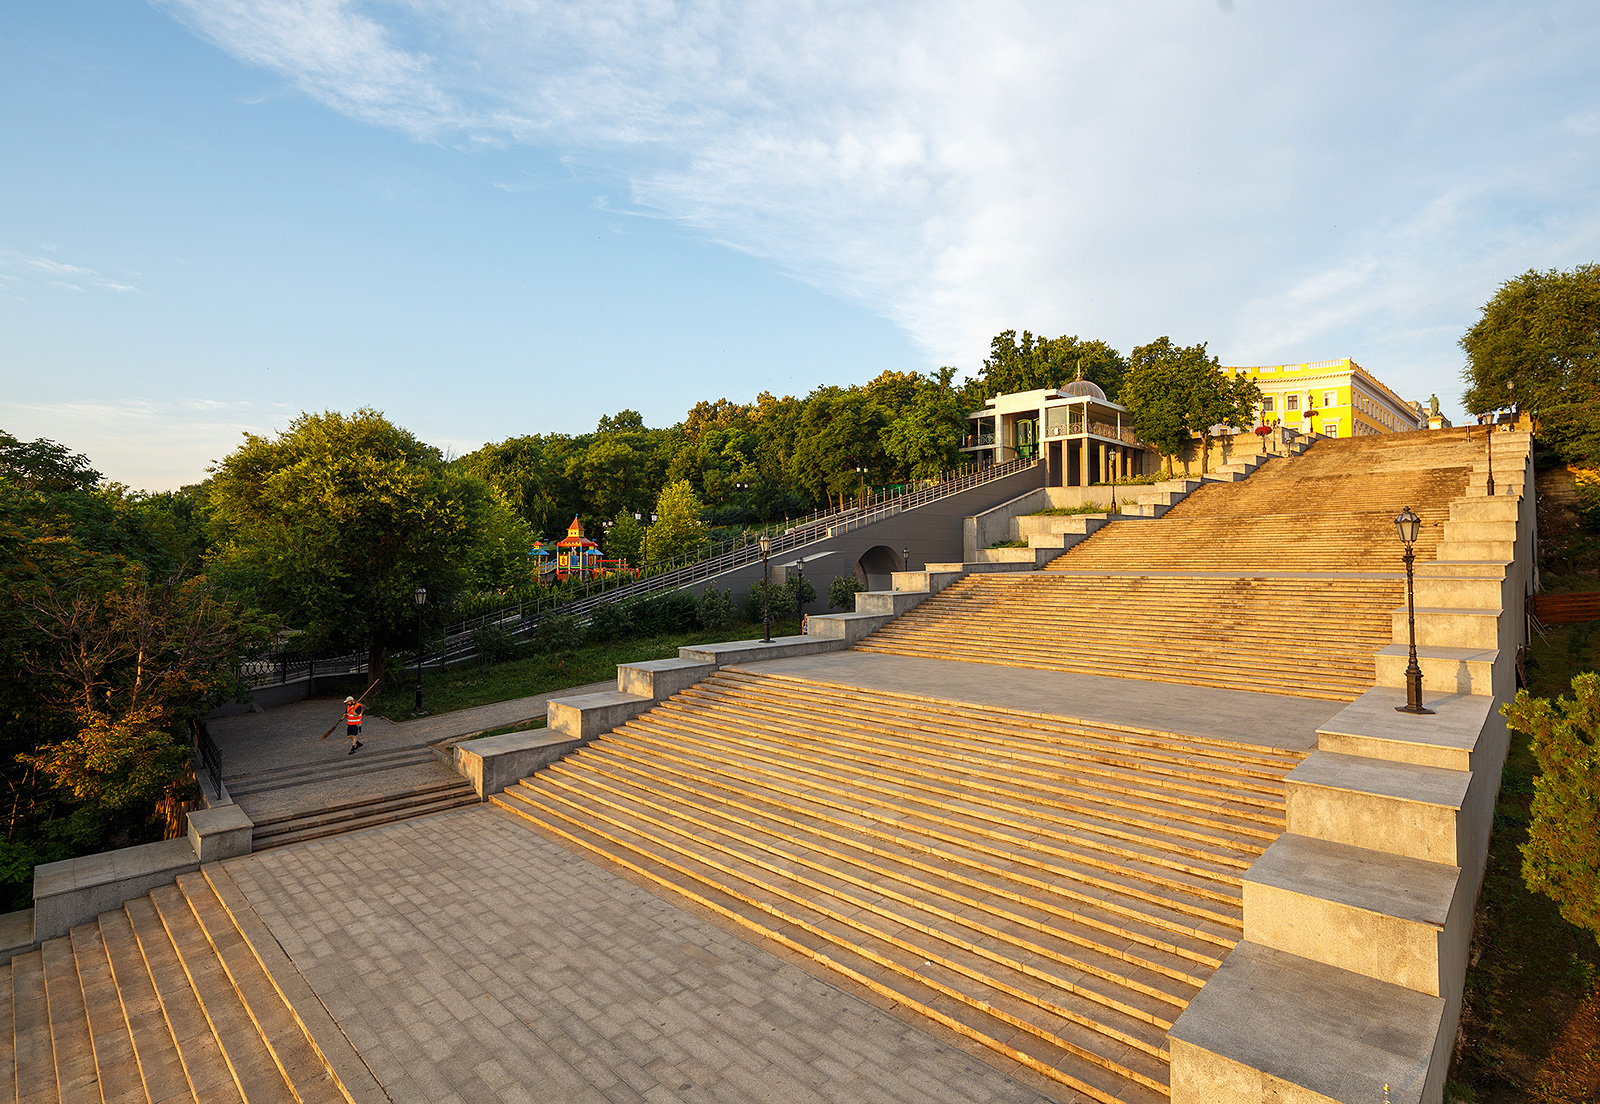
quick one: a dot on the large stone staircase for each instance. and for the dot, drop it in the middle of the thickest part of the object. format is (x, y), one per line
(1284, 582)
(166, 1000)
(1056, 891)
(1301, 634)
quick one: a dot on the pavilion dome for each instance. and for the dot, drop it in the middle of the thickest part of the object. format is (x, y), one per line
(1081, 387)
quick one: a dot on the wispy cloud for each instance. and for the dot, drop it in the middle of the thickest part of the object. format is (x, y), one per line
(1283, 180)
(145, 443)
(24, 268)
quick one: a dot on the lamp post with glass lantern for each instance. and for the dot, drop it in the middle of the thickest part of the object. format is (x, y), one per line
(420, 597)
(766, 592)
(1408, 524)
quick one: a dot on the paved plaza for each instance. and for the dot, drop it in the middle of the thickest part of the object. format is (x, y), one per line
(469, 959)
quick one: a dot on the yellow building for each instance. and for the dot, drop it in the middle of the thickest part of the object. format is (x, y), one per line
(1336, 398)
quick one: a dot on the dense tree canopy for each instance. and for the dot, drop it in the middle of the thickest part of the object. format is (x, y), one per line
(1178, 393)
(1541, 331)
(1037, 362)
(334, 523)
(109, 641)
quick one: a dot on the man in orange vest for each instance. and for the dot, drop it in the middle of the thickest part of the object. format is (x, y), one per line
(352, 723)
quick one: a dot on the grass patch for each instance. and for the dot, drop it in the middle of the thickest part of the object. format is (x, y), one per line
(1067, 511)
(479, 683)
(1530, 1021)
(1009, 544)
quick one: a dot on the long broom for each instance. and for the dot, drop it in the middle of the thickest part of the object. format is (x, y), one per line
(335, 724)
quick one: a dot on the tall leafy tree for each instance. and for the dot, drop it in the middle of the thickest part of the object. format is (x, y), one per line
(925, 439)
(1178, 394)
(678, 527)
(332, 525)
(1542, 332)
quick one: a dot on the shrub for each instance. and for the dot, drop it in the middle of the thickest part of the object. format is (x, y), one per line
(1561, 858)
(781, 599)
(714, 610)
(494, 643)
(842, 592)
(556, 632)
(801, 592)
(609, 621)
(674, 612)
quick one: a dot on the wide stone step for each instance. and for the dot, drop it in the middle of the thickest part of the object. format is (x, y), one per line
(77, 1081)
(1046, 901)
(355, 816)
(985, 1016)
(279, 778)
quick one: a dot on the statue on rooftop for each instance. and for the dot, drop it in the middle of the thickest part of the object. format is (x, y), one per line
(1433, 404)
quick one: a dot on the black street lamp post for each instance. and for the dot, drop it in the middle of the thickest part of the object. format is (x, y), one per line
(1408, 524)
(766, 592)
(905, 558)
(1488, 449)
(421, 598)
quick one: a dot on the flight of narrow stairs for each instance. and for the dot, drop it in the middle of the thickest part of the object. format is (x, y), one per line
(1054, 890)
(162, 1000)
(1304, 635)
(317, 818)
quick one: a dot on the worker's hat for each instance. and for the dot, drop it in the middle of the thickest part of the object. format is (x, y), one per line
(349, 700)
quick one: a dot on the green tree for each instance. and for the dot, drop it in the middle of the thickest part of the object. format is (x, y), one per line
(925, 440)
(1561, 858)
(1178, 394)
(1034, 363)
(625, 539)
(678, 526)
(1542, 332)
(333, 524)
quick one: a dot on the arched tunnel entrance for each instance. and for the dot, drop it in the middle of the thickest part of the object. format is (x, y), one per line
(876, 565)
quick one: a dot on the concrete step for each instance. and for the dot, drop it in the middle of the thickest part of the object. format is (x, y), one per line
(77, 1081)
(299, 774)
(1449, 627)
(354, 816)
(114, 1057)
(1272, 1026)
(1383, 916)
(1399, 808)
(33, 1050)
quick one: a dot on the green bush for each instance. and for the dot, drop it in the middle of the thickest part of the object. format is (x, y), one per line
(494, 643)
(801, 592)
(674, 612)
(842, 592)
(556, 633)
(781, 598)
(608, 622)
(714, 610)
(1561, 858)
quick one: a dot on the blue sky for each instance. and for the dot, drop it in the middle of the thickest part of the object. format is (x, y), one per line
(492, 217)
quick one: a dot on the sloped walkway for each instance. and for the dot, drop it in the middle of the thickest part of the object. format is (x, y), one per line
(471, 961)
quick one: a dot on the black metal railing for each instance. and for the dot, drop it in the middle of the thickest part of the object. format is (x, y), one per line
(210, 755)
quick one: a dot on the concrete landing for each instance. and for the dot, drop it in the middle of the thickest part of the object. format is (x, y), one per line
(472, 961)
(1275, 720)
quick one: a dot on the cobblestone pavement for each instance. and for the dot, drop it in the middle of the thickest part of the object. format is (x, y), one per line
(469, 959)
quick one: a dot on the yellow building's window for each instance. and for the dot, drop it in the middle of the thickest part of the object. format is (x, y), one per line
(1267, 404)
(1291, 402)
(1330, 398)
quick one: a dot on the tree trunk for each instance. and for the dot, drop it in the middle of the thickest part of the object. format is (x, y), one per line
(1205, 452)
(377, 664)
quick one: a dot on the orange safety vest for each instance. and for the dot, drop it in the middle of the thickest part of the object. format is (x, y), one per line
(352, 714)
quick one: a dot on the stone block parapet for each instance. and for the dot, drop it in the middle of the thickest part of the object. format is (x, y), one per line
(494, 762)
(75, 891)
(659, 679)
(585, 716)
(220, 832)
